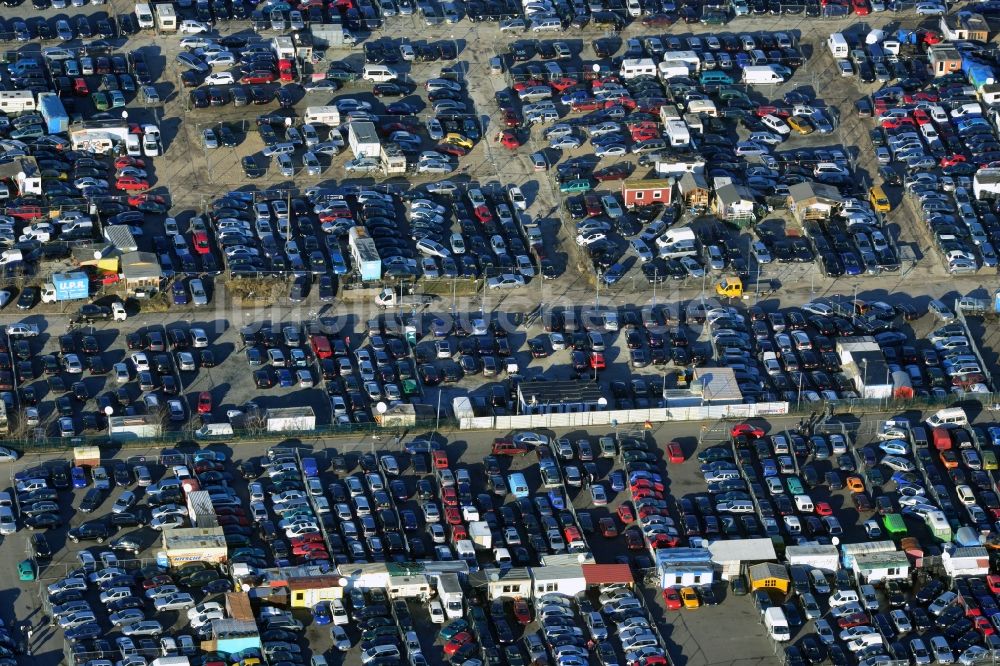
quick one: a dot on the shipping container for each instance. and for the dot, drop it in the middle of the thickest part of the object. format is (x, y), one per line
(200, 509)
(54, 113)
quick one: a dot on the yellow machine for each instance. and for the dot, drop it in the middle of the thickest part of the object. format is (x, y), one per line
(730, 287)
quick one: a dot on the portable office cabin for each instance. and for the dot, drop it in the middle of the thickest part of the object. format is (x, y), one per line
(566, 579)
(882, 566)
(686, 574)
(638, 192)
(194, 544)
(508, 583)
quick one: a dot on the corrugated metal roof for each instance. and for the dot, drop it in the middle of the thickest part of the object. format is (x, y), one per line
(557, 573)
(742, 550)
(768, 570)
(602, 574)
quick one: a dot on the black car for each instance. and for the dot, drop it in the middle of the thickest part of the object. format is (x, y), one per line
(93, 499)
(96, 530)
(43, 521)
(250, 167)
(28, 298)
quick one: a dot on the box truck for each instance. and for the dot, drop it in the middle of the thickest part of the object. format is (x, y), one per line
(449, 590)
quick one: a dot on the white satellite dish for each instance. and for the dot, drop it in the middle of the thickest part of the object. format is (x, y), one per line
(109, 410)
(596, 67)
(602, 401)
(381, 408)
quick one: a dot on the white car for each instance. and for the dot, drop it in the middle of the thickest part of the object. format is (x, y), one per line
(140, 361)
(930, 9)
(122, 375)
(8, 455)
(192, 27)
(8, 524)
(219, 79)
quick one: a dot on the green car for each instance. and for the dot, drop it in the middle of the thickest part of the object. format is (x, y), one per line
(378, 632)
(575, 186)
(100, 100)
(410, 387)
(454, 628)
(795, 486)
(26, 570)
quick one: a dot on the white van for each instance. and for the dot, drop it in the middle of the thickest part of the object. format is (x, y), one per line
(144, 16)
(633, 67)
(804, 503)
(837, 45)
(378, 74)
(952, 417)
(776, 624)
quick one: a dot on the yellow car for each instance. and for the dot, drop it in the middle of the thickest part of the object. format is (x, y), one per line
(458, 140)
(690, 598)
(800, 125)
(880, 202)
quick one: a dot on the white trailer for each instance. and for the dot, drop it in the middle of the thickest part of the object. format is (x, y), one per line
(408, 587)
(328, 116)
(363, 139)
(291, 419)
(127, 428)
(17, 101)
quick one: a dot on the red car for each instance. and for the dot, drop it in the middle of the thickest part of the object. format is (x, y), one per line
(853, 620)
(563, 83)
(508, 139)
(530, 83)
(258, 77)
(131, 184)
(921, 116)
(25, 212)
(647, 483)
(861, 7)
(201, 244)
(449, 496)
(642, 493)
(751, 431)
(586, 105)
(458, 533)
(511, 118)
(625, 513)
(823, 509)
(952, 160)
(675, 454)
(597, 360)
(453, 149)
(672, 598)
(452, 515)
(456, 642)
(80, 87)
(306, 538)
(127, 160)
(522, 611)
(204, 402)
(156, 581)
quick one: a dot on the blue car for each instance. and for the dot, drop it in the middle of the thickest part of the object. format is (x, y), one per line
(851, 264)
(614, 273)
(78, 475)
(769, 466)
(617, 479)
(285, 378)
(321, 613)
(338, 263)
(557, 500)
(180, 293)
